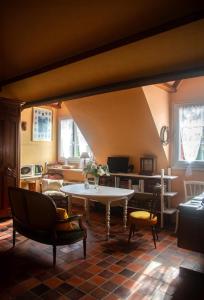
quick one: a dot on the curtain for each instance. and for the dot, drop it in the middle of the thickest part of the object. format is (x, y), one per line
(66, 138)
(191, 130)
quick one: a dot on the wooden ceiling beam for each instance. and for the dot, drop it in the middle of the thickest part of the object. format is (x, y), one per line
(122, 42)
(159, 78)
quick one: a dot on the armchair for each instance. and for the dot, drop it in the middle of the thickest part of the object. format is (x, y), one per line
(36, 217)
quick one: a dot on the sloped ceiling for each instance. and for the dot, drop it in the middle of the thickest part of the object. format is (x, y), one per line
(66, 49)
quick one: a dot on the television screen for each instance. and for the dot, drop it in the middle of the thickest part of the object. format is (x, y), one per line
(118, 164)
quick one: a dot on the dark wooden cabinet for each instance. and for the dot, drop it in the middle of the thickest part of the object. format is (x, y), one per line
(9, 150)
(191, 226)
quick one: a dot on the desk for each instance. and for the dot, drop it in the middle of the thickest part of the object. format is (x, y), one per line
(191, 224)
(102, 194)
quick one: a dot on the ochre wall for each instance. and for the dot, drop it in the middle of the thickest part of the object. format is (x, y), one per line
(158, 101)
(118, 123)
(37, 152)
(189, 91)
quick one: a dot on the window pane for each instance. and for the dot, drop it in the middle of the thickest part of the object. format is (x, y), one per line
(82, 145)
(191, 133)
(71, 141)
(66, 138)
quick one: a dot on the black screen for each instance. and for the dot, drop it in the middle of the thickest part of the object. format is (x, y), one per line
(117, 164)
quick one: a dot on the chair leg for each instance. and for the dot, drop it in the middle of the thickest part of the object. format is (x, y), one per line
(84, 247)
(131, 231)
(14, 237)
(155, 229)
(54, 255)
(153, 235)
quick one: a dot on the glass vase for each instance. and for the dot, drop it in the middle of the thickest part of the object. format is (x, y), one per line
(96, 182)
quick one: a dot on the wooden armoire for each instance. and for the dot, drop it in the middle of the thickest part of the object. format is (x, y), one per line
(9, 150)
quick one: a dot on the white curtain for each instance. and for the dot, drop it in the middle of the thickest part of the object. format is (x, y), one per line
(191, 130)
(66, 138)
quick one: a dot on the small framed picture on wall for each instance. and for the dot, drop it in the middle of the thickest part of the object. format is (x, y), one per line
(42, 124)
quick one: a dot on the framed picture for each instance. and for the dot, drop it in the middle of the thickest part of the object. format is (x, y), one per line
(42, 124)
(147, 165)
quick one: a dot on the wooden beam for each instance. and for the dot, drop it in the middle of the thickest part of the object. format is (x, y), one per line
(137, 82)
(122, 42)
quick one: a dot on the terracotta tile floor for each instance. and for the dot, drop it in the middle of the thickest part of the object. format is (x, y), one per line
(113, 269)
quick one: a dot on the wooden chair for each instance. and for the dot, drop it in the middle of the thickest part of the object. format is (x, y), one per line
(191, 189)
(146, 218)
(50, 185)
(35, 216)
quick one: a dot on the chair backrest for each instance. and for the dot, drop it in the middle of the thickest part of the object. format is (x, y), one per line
(32, 210)
(193, 188)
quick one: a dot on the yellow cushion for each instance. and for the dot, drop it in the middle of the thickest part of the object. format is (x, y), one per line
(61, 216)
(143, 216)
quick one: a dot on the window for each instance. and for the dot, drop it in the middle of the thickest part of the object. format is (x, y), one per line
(189, 135)
(71, 141)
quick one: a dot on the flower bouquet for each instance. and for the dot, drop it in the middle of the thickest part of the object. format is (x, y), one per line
(96, 170)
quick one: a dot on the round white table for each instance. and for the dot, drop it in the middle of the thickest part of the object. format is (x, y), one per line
(102, 194)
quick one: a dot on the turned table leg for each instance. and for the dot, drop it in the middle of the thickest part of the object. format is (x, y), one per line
(125, 204)
(69, 204)
(108, 219)
(86, 204)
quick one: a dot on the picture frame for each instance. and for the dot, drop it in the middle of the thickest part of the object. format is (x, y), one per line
(42, 124)
(147, 165)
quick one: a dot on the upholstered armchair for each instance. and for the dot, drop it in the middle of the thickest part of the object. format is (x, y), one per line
(36, 217)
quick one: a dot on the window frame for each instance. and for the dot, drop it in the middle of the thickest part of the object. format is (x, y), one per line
(176, 163)
(73, 159)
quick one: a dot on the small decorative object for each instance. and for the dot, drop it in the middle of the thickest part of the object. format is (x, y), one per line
(92, 168)
(42, 124)
(164, 135)
(86, 184)
(147, 165)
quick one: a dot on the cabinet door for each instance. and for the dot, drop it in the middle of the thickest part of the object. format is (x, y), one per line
(9, 151)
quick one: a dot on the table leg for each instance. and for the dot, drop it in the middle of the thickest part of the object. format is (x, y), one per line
(108, 219)
(86, 206)
(125, 213)
(70, 204)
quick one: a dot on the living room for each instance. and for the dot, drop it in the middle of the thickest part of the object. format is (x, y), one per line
(126, 77)
(123, 131)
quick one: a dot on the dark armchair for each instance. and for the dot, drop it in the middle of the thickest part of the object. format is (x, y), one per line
(36, 217)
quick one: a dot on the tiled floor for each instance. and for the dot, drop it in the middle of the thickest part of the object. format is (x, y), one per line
(113, 269)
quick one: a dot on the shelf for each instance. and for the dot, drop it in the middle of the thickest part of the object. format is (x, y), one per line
(169, 211)
(170, 194)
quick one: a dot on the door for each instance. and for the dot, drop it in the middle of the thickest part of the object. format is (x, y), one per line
(9, 151)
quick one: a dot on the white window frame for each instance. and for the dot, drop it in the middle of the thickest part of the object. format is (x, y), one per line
(176, 163)
(72, 159)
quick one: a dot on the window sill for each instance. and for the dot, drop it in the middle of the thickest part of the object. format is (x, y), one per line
(197, 166)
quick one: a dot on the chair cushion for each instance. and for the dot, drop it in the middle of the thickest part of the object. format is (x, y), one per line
(51, 184)
(62, 216)
(143, 217)
(54, 193)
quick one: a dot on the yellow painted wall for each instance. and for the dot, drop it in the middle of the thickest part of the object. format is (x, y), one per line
(118, 123)
(190, 90)
(37, 152)
(158, 101)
